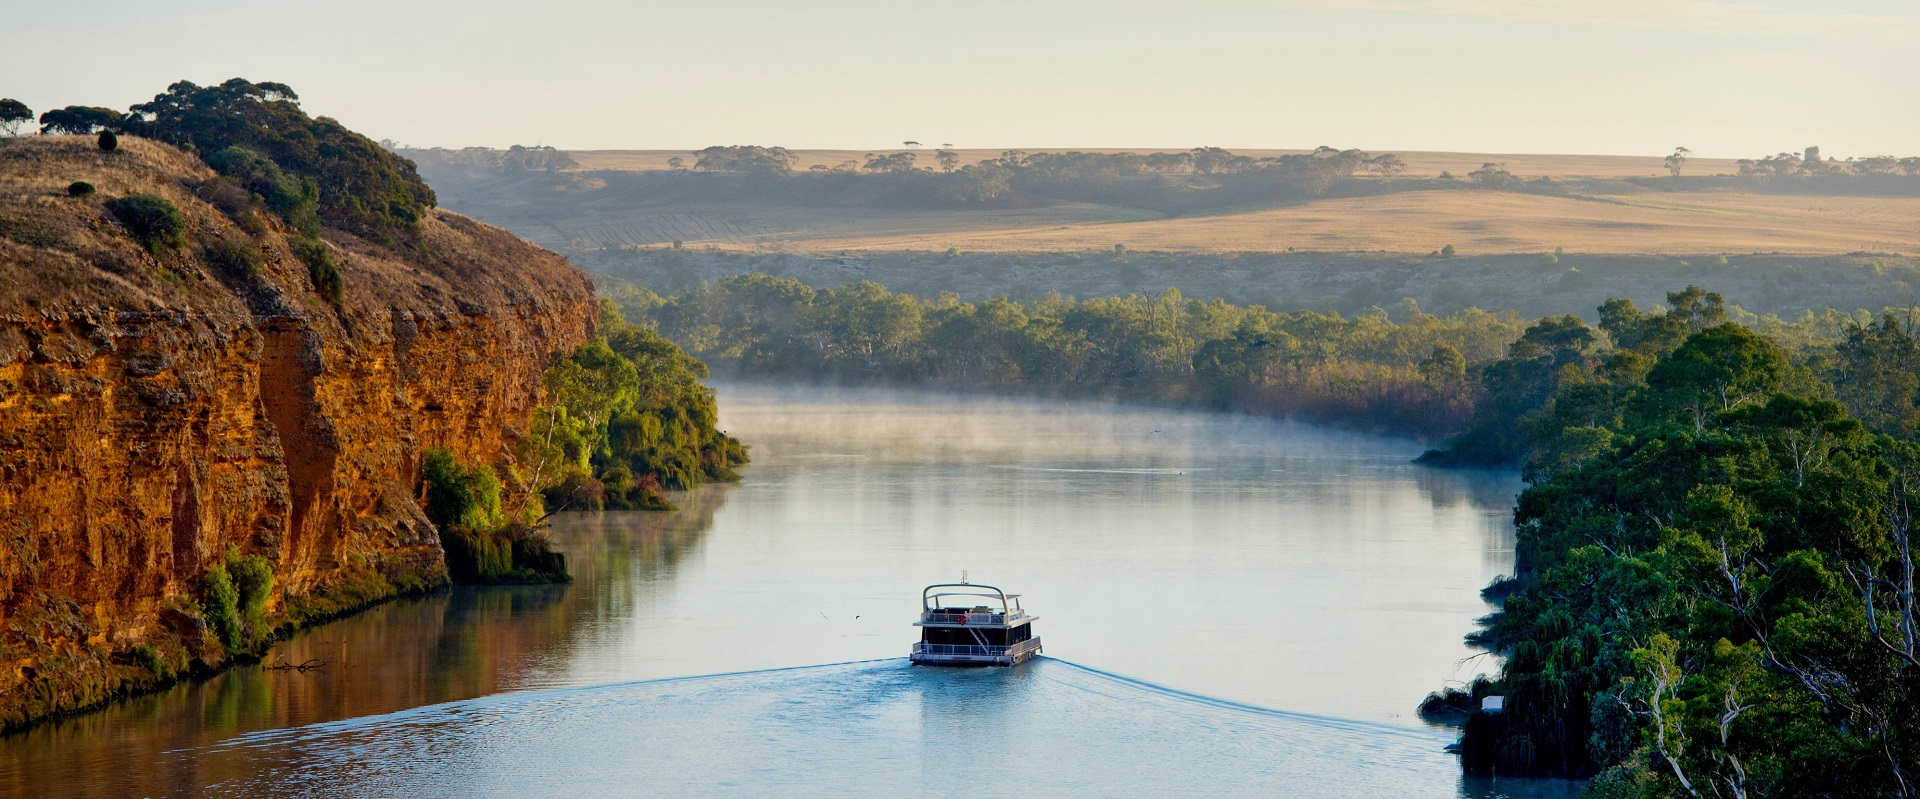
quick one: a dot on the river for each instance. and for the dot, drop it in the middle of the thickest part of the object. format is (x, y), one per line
(1230, 607)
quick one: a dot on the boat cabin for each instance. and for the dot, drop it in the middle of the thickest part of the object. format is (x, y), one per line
(962, 624)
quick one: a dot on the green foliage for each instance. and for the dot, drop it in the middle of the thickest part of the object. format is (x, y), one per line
(80, 188)
(295, 199)
(78, 120)
(220, 601)
(13, 114)
(154, 221)
(360, 186)
(1877, 375)
(1710, 598)
(237, 258)
(253, 579)
(625, 417)
(320, 269)
(746, 159)
(482, 543)
(108, 141)
(1168, 348)
(233, 597)
(461, 494)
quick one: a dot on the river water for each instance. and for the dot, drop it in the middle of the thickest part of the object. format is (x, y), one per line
(1230, 607)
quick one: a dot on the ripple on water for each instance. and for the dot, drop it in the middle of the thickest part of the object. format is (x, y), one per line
(868, 729)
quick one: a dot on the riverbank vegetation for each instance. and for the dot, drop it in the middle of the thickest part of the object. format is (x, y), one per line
(626, 417)
(1480, 379)
(1715, 589)
(1367, 371)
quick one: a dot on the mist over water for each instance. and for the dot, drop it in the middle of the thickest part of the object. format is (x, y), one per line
(1185, 562)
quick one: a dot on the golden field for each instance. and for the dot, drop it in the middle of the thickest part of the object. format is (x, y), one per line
(1597, 211)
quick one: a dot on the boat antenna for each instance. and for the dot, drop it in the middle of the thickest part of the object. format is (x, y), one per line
(963, 576)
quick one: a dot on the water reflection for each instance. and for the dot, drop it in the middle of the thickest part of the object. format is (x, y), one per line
(1280, 565)
(455, 645)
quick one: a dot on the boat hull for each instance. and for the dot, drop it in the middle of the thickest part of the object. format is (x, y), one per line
(924, 655)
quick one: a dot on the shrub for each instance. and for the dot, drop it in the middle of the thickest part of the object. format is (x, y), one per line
(108, 141)
(236, 258)
(79, 188)
(512, 555)
(253, 579)
(325, 276)
(460, 494)
(220, 601)
(234, 593)
(294, 198)
(153, 220)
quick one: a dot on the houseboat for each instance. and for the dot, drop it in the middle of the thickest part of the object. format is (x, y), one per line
(962, 624)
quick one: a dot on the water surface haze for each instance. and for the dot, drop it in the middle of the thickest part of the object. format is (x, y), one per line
(1248, 605)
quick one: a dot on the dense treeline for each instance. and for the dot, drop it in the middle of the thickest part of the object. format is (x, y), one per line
(1407, 377)
(1716, 590)
(1148, 180)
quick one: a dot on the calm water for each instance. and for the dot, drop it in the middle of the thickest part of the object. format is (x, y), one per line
(1231, 607)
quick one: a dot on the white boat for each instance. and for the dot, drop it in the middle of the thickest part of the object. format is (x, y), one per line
(973, 625)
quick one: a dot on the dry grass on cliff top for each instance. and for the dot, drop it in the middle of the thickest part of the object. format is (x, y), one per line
(61, 252)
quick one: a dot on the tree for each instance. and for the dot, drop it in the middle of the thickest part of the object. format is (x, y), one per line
(910, 144)
(1677, 160)
(746, 159)
(947, 158)
(1386, 165)
(677, 164)
(108, 142)
(890, 162)
(364, 189)
(80, 120)
(13, 114)
(1493, 176)
(1715, 370)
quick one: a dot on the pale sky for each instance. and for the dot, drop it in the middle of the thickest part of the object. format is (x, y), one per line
(1729, 79)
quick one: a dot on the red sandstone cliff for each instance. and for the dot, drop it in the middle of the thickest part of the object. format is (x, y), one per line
(155, 411)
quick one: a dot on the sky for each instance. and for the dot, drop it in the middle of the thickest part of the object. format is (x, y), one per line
(1725, 78)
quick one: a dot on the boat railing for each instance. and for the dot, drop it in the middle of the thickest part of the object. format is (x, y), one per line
(923, 648)
(931, 617)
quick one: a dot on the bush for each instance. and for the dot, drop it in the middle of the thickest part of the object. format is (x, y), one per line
(460, 494)
(320, 269)
(236, 258)
(253, 579)
(153, 220)
(220, 601)
(513, 555)
(234, 594)
(108, 141)
(79, 188)
(293, 198)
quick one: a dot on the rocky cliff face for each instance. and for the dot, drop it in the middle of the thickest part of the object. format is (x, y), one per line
(158, 412)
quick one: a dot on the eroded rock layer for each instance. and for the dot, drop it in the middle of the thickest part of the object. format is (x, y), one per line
(160, 411)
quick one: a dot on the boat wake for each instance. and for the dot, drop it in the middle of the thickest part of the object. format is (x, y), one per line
(862, 729)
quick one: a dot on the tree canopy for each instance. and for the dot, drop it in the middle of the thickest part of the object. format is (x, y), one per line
(13, 114)
(80, 120)
(362, 187)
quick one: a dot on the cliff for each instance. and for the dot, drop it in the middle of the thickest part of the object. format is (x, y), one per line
(158, 412)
